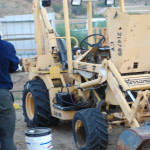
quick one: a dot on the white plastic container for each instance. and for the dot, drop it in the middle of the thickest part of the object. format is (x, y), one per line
(38, 139)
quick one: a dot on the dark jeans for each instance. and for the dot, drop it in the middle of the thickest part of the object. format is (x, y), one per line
(7, 121)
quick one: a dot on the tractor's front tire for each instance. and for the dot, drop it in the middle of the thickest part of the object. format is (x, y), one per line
(36, 105)
(90, 130)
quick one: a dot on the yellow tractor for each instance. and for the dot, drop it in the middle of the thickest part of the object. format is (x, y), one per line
(93, 87)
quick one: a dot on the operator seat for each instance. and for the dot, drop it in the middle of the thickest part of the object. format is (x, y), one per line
(62, 53)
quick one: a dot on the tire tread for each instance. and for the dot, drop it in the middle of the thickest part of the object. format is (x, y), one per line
(97, 129)
(42, 116)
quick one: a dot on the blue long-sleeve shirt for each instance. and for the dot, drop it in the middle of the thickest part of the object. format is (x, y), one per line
(8, 64)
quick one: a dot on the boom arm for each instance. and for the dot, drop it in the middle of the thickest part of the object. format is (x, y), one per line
(43, 30)
(38, 29)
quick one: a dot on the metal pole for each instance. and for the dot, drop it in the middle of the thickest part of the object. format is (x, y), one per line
(90, 26)
(122, 6)
(68, 38)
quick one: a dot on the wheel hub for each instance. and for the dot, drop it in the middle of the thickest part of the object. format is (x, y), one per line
(30, 105)
(80, 133)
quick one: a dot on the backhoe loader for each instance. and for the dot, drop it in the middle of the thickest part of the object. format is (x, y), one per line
(95, 87)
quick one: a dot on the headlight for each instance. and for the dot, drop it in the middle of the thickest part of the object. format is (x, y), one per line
(110, 2)
(76, 2)
(46, 3)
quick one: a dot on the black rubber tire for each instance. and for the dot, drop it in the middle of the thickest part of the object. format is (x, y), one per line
(93, 134)
(42, 114)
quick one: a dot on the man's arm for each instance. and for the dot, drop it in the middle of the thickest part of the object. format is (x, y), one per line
(14, 60)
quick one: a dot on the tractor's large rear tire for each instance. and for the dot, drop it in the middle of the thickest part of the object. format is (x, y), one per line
(36, 105)
(90, 130)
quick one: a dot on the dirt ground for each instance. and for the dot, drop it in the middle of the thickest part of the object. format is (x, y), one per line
(62, 138)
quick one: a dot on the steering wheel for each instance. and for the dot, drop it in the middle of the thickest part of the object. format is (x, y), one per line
(96, 45)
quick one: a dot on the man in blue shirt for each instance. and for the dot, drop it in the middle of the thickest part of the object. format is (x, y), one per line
(8, 64)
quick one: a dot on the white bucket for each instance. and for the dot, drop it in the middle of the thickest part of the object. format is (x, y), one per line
(38, 139)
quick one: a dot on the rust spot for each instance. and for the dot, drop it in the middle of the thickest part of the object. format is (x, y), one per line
(131, 30)
(120, 28)
(121, 146)
(134, 25)
(129, 68)
(126, 60)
